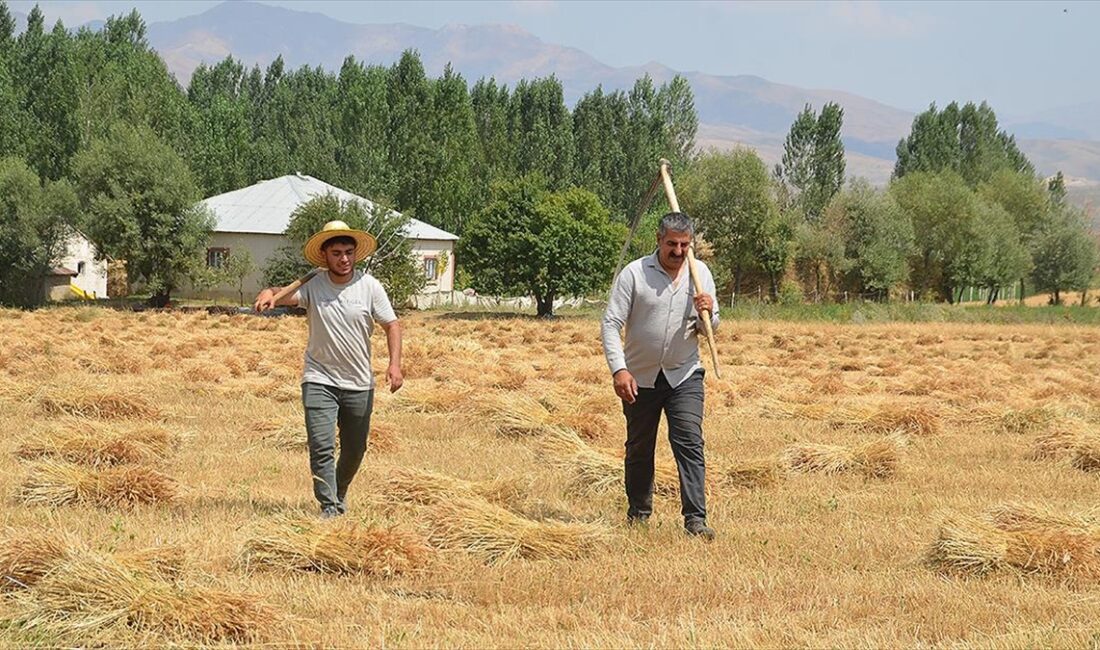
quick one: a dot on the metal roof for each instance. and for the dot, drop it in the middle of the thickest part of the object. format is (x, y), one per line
(266, 207)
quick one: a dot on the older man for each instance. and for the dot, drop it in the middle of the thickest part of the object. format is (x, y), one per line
(342, 306)
(654, 300)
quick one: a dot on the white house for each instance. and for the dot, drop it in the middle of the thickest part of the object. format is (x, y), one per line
(256, 216)
(79, 268)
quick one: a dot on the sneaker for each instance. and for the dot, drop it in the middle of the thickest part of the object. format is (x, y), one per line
(330, 512)
(699, 528)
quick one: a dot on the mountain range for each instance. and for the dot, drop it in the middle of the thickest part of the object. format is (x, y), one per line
(733, 109)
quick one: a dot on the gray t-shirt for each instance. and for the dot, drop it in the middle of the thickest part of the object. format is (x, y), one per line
(341, 318)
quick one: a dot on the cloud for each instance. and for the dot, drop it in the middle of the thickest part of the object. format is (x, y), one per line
(877, 19)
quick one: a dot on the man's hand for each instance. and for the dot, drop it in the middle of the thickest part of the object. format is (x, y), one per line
(625, 386)
(394, 377)
(264, 301)
(703, 302)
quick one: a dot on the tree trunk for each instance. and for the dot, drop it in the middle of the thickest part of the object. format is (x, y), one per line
(160, 300)
(1085, 298)
(736, 282)
(1021, 291)
(774, 278)
(1057, 297)
(545, 305)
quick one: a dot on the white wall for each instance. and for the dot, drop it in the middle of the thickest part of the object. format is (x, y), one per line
(438, 249)
(93, 275)
(263, 247)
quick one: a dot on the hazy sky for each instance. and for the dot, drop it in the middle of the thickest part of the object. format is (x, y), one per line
(1021, 56)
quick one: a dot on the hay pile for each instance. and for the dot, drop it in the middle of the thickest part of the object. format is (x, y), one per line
(424, 488)
(89, 442)
(752, 474)
(60, 588)
(336, 546)
(592, 470)
(1022, 538)
(482, 528)
(1080, 445)
(52, 483)
(94, 402)
(877, 459)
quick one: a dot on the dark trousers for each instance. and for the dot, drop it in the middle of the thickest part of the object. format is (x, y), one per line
(683, 408)
(327, 409)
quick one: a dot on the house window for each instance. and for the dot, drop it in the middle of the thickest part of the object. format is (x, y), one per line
(80, 268)
(216, 257)
(430, 268)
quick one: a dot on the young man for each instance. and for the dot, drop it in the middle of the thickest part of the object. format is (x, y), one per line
(337, 384)
(654, 301)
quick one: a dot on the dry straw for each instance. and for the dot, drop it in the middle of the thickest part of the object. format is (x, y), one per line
(96, 443)
(593, 470)
(96, 403)
(487, 530)
(879, 458)
(752, 474)
(92, 598)
(28, 556)
(53, 483)
(1022, 538)
(335, 546)
(517, 414)
(423, 487)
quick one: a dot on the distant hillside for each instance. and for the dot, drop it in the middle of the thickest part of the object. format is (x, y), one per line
(733, 110)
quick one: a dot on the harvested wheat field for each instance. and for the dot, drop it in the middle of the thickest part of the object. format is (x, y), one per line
(871, 485)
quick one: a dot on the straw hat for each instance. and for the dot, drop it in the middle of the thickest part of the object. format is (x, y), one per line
(365, 243)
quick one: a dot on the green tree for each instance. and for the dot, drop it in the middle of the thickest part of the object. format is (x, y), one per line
(452, 192)
(1056, 186)
(966, 140)
(1006, 258)
(139, 203)
(730, 197)
(46, 82)
(410, 98)
(393, 263)
(877, 236)
(491, 104)
(542, 129)
(363, 116)
(237, 268)
(813, 160)
(221, 141)
(942, 210)
(1066, 255)
(32, 231)
(530, 241)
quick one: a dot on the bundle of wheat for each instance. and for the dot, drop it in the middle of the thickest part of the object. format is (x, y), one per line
(336, 546)
(517, 414)
(594, 470)
(93, 402)
(53, 483)
(89, 442)
(94, 598)
(29, 555)
(879, 458)
(1018, 537)
(752, 474)
(496, 534)
(423, 487)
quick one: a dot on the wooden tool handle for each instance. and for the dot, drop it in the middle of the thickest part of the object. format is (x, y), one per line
(674, 204)
(293, 286)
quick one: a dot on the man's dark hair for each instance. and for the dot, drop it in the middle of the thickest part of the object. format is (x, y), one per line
(675, 222)
(340, 239)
